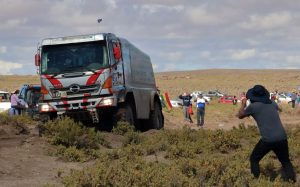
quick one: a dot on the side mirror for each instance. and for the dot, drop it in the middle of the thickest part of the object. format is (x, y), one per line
(117, 51)
(37, 59)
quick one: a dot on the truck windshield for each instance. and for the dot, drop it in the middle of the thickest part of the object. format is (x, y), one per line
(76, 57)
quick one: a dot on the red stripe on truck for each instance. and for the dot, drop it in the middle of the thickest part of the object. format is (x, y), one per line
(55, 82)
(94, 77)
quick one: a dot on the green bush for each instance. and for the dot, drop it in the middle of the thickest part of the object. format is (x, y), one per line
(75, 142)
(71, 154)
(223, 141)
(185, 158)
(68, 133)
(5, 119)
(122, 128)
(132, 138)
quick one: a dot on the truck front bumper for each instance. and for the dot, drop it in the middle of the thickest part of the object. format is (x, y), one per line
(77, 104)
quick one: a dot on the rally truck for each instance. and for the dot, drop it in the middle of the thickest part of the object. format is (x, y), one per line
(97, 77)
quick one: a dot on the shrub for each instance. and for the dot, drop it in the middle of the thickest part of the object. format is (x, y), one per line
(132, 138)
(223, 141)
(187, 158)
(69, 133)
(71, 154)
(122, 128)
(75, 142)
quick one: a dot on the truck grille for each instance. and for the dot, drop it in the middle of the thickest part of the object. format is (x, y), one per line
(81, 89)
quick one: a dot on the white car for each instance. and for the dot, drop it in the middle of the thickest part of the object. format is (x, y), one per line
(196, 93)
(4, 101)
(284, 98)
(176, 103)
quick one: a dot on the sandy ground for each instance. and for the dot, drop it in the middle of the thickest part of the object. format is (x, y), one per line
(25, 160)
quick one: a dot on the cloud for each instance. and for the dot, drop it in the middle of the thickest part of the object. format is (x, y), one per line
(175, 33)
(293, 59)
(12, 23)
(269, 21)
(205, 54)
(111, 3)
(8, 67)
(243, 54)
(172, 56)
(3, 49)
(153, 8)
(201, 16)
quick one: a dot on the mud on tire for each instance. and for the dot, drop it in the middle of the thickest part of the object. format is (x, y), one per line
(126, 113)
(156, 120)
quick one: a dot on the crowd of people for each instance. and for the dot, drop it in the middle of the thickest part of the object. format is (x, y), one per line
(263, 108)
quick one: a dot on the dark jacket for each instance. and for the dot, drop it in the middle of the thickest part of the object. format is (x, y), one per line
(186, 100)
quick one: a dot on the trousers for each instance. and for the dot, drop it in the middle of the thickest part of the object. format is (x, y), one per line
(280, 148)
(200, 116)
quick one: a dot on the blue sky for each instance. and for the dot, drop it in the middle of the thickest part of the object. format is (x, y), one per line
(177, 34)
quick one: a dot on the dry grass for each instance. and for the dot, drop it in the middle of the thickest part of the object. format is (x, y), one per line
(12, 82)
(228, 81)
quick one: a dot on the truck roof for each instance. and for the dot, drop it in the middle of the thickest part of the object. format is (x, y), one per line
(74, 39)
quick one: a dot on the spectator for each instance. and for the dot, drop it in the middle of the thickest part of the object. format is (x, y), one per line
(293, 97)
(234, 100)
(274, 138)
(297, 102)
(14, 101)
(186, 101)
(200, 109)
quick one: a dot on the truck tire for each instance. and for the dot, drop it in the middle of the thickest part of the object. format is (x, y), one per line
(45, 117)
(126, 113)
(156, 117)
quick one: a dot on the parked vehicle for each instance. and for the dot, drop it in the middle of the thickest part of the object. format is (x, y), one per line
(29, 97)
(282, 98)
(196, 93)
(228, 99)
(213, 94)
(98, 77)
(4, 101)
(176, 103)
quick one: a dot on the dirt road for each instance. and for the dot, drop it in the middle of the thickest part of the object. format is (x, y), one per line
(25, 159)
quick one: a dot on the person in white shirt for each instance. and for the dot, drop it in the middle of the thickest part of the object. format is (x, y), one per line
(200, 103)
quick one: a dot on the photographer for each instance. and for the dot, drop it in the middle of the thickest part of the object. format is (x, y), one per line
(273, 136)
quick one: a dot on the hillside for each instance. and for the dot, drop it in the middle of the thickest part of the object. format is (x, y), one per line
(227, 81)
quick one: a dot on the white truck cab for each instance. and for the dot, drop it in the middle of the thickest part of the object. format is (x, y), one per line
(97, 77)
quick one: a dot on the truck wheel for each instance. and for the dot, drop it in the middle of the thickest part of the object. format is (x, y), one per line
(126, 113)
(156, 117)
(47, 117)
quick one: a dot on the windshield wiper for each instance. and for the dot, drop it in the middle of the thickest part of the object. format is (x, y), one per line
(87, 68)
(74, 74)
(90, 69)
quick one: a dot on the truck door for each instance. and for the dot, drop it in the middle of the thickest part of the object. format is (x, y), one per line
(117, 65)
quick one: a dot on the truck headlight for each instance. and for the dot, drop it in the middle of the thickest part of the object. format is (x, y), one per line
(46, 108)
(107, 102)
